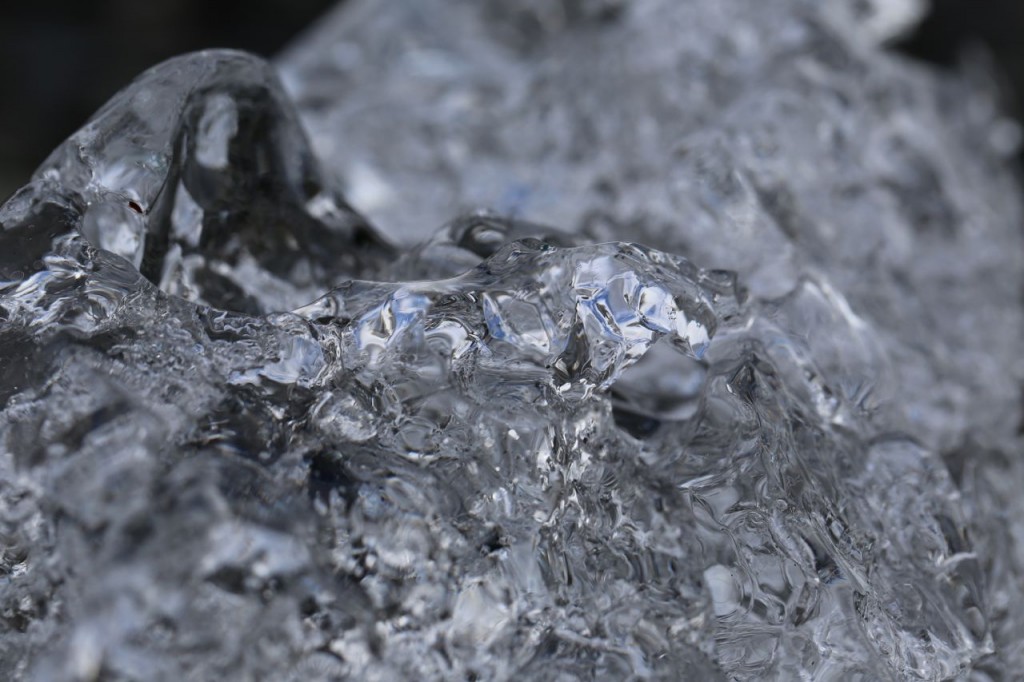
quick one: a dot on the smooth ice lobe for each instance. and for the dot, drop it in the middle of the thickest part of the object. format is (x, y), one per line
(199, 175)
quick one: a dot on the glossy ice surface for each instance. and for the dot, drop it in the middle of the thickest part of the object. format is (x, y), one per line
(749, 411)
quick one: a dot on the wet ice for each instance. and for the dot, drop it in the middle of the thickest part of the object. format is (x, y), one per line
(749, 412)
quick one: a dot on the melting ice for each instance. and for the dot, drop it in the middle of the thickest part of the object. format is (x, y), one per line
(750, 412)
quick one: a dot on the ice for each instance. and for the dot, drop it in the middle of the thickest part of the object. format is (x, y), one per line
(678, 341)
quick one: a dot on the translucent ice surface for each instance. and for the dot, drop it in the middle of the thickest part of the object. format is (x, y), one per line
(678, 341)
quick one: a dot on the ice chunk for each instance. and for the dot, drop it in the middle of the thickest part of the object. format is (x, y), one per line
(244, 436)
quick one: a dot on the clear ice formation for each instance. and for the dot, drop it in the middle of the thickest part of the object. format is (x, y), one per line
(248, 434)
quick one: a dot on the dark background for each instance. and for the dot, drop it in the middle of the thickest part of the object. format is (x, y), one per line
(61, 59)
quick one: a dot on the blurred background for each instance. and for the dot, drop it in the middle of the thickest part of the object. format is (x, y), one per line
(61, 59)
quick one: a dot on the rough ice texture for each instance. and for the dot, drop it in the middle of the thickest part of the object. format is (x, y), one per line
(751, 412)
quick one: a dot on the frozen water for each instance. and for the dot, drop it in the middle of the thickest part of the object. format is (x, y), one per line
(750, 412)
